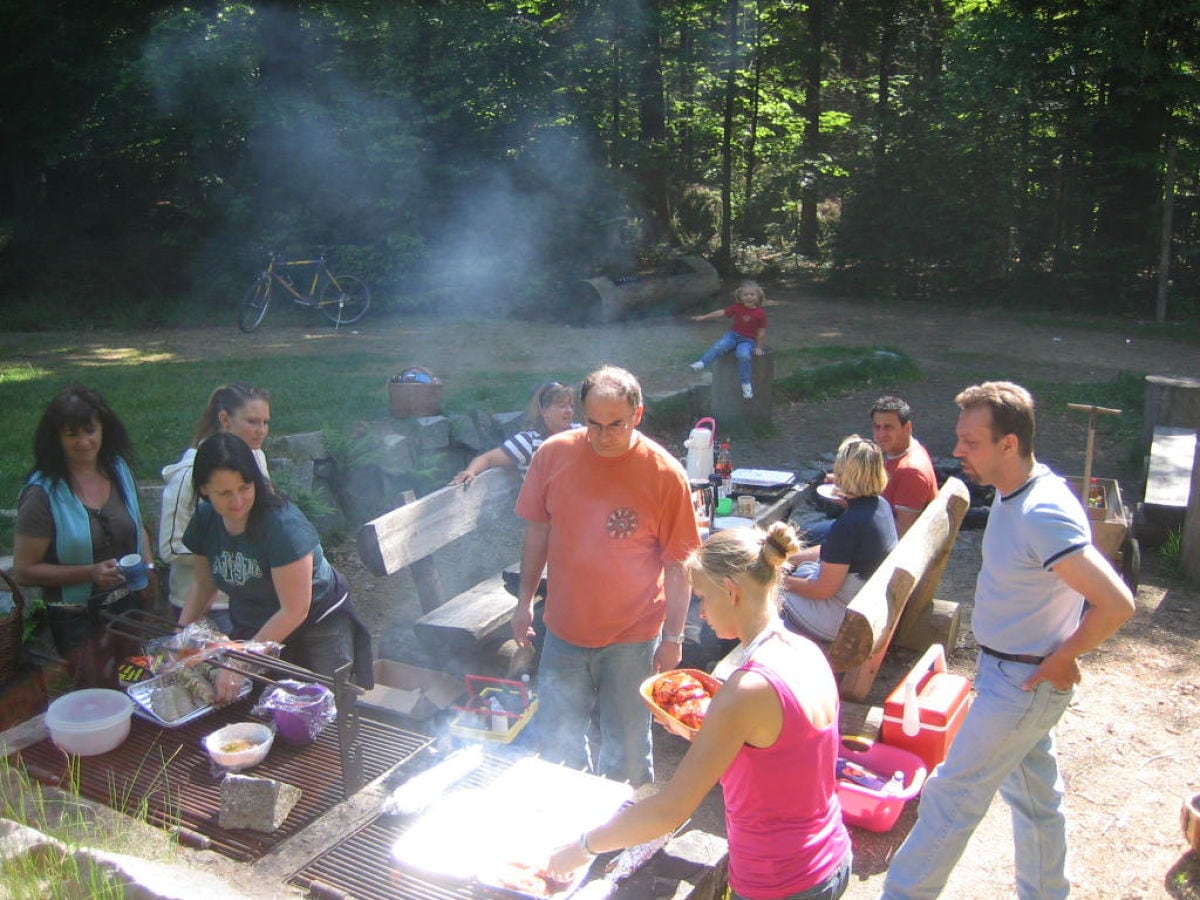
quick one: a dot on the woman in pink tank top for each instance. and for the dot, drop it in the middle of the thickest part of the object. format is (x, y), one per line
(770, 737)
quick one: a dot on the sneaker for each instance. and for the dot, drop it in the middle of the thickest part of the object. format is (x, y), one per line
(697, 366)
(747, 392)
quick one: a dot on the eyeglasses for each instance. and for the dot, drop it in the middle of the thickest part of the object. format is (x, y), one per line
(618, 427)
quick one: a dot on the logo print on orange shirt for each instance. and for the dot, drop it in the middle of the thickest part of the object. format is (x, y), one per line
(622, 523)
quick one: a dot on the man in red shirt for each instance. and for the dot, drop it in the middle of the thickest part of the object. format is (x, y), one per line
(912, 482)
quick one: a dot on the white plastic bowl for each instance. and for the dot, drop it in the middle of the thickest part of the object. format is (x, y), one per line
(260, 737)
(89, 722)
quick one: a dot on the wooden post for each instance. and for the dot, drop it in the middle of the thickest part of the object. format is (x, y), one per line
(729, 407)
(1170, 400)
(1190, 547)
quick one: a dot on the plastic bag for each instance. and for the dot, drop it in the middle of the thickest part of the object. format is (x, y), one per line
(300, 710)
(200, 642)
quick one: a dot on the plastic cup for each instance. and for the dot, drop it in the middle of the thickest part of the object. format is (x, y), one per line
(303, 716)
(133, 570)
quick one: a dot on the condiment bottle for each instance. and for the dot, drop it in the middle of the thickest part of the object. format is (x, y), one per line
(724, 464)
(895, 785)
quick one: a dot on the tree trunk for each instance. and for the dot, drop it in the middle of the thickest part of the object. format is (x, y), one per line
(725, 253)
(652, 173)
(1164, 242)
(751, 141)
(812, 127)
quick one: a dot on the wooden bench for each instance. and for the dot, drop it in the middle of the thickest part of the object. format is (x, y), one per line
(898, 599)
(408, 536)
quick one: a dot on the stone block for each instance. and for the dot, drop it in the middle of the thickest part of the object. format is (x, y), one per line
(306, 445)
(465, 430)
(260, 804)
(292, 475)
(396, 453)
(509, 423)
(691, 853)
(433, 432)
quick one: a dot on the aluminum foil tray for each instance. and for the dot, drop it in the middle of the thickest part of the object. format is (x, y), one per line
(141, 691)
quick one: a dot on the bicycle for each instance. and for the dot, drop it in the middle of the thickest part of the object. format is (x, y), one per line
(344, 299)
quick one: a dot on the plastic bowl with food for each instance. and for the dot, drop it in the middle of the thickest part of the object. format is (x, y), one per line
(667, 683)
(89, 722)
(240, 745)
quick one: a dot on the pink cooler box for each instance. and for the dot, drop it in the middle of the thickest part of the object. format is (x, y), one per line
(879, 810)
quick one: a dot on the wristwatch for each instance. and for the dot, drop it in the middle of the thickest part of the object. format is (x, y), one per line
(673, 638)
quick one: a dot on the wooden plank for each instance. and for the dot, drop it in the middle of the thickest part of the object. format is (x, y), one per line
(781, 507)
(903, 585)
(860, 720)
(1190, 551)
(401, 537)
(928, 563)
(475, 616)
(939, 623)
(1169, 478)
(870, 617)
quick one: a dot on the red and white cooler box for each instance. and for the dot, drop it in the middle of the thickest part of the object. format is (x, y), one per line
(925, 711)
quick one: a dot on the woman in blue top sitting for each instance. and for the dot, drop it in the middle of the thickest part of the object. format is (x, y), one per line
(827, 577)
(264, 554)
(78, 514)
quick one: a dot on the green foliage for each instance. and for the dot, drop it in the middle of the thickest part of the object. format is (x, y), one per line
(1170, 554)
(473, 157)
(831, 379)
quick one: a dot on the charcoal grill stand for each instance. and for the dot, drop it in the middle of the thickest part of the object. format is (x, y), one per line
(142, 626)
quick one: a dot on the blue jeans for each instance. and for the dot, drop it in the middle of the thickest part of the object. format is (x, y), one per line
(829, 889)
(740, 345)
(1006, 743)
(574, 682)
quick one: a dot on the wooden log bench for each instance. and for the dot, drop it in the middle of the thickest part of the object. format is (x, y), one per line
(468, 623)
(897, 602)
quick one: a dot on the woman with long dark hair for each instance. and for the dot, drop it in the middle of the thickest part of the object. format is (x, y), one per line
(78, 514)
(260, 550)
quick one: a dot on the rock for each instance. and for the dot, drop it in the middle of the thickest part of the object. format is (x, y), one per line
(260, 804)
(509, 423)
(433, 432)
(465, 430)
(306, 445)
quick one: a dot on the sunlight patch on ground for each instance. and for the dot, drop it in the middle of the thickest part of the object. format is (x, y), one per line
(22, 371)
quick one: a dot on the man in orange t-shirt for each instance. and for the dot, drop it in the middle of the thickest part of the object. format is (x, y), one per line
(609, 515)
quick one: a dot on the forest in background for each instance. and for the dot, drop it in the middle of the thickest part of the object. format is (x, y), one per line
(479, 157)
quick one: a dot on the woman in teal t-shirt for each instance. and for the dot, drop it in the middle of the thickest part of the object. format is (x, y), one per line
(259, 549)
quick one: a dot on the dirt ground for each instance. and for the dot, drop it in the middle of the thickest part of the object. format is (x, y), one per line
(1128, 743)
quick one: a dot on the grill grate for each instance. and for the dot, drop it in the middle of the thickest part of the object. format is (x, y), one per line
(169, 771)
(360, 866)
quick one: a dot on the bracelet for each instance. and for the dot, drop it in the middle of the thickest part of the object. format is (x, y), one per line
(673, 638)
(149, 567)
(584, 847)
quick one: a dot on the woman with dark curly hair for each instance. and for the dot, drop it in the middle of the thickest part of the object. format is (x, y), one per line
(78, 514)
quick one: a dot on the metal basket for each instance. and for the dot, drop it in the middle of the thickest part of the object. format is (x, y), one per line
(12, 628)
(409, 398)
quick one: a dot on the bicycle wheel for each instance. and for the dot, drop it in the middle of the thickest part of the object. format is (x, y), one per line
(344, 299)
(254, 305)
